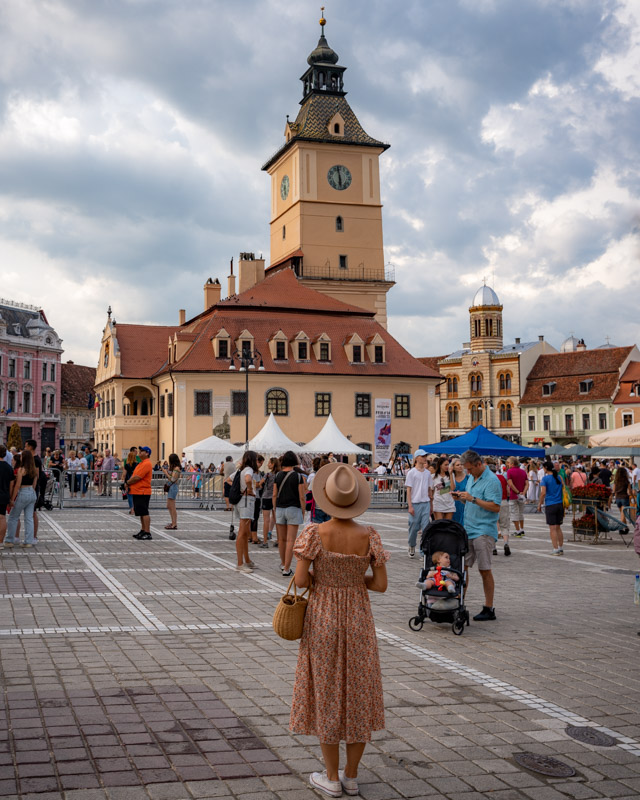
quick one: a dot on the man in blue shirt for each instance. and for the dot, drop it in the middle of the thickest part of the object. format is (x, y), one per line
(481, 511)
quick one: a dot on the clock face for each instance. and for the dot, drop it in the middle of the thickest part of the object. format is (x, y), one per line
(339, 177)
(284, 187)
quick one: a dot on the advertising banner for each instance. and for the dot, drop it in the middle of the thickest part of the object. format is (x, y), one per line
(382, 431)
(221, 414)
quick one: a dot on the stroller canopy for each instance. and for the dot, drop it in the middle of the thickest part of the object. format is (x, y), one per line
(484, 443)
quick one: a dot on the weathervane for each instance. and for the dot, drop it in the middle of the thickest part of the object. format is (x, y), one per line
(323, 21)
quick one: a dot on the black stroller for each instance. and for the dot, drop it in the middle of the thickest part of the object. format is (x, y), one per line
(450, 537)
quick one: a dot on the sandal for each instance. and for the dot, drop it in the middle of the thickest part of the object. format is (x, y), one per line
(171, 527)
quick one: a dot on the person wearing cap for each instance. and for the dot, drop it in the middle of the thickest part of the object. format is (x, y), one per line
(419, 485)
(337, 694)
(140, 490)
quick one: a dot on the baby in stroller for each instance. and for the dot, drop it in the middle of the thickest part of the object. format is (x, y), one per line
(441, 576)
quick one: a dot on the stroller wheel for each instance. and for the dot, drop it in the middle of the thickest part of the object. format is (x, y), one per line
(458, 627)
(416, 623)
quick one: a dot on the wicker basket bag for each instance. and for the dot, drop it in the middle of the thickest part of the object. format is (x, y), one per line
(288, 618)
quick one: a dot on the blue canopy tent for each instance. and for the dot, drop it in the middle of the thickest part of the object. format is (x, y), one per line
(484, 443)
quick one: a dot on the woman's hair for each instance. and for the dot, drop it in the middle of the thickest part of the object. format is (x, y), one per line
(289, 459)
(316, 463)
(131, 458)
(440, 461)
(174, 461)
(548, 465)
(274, 464)
(17, 461)
(29, 465)
(621, 483)
(249, 459)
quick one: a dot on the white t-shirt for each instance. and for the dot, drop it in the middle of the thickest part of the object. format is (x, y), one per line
(381, 470)
(82, 462)
(243, 481)
(635, 475)
(419, 483)
(74, 464)
(541, 474)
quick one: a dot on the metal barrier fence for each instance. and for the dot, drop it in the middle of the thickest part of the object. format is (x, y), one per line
(95, 488)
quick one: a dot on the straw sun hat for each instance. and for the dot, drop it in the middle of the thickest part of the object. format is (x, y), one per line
(341, 491)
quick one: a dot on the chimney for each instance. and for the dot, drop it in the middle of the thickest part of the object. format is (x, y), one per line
(541, 338)
(182, 316)
(517, 341)
(250, 271)
(212, 293)
(231, 281)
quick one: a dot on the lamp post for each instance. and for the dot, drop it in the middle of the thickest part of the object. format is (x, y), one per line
(488, 407)
(247, 360)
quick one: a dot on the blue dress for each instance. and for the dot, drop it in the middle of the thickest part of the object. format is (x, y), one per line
(461, 486)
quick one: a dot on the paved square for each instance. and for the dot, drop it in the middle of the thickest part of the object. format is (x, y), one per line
(139, 670)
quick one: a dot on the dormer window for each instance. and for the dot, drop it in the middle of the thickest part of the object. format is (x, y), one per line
(376, 349)
(246, 348)
(301, 346)
(336, 123)
(281, 350)
(357, 354)
(336, 127)
(324, 351)
(586, 386)
(222, 344)
(302, 351)
(548, 388)
(322, 348)
(278, 343)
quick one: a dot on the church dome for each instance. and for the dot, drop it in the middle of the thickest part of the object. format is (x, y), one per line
(485, 296)
(570, 345)
(323, 54)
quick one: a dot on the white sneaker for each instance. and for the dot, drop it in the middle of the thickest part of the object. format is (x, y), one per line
(556, 552)
(251, 564)
(412, 552)
(560, 551)
(350, 785)
(244, 568)
(320, 782)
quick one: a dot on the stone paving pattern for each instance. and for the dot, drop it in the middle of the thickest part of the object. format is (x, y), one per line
(182, 690)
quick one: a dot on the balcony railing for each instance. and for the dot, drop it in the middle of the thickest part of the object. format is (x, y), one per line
(357, 273)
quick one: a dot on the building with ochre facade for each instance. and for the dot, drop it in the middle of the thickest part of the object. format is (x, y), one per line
(484, 381)
(315, 319)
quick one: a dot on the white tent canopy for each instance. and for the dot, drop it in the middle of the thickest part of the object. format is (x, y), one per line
(271, 441)
(628, 436)
(332, 440)
(211, 450)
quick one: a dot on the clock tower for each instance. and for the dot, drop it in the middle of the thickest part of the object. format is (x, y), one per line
(326, 214)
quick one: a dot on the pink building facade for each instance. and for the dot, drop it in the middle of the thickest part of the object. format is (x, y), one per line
(30, 367)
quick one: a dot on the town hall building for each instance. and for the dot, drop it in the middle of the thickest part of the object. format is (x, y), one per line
(312, 326)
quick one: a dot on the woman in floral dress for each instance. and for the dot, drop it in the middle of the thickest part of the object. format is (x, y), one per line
(337, 695)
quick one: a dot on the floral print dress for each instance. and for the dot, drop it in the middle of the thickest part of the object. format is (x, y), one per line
(337, 695)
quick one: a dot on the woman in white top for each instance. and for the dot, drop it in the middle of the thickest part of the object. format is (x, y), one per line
(533, 491)
(72, 466)
(444, 505)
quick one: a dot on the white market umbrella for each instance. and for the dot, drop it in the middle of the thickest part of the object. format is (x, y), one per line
(211, 450)
(271, 440)
(628, 436)
(332, 440)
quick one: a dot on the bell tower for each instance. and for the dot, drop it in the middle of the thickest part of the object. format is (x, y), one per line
(486, 321)
(326, 213)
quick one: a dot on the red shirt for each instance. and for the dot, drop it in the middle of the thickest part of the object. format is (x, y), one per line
(518, 478)
(503, 482)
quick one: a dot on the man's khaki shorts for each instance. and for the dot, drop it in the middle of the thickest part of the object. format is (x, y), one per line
(480, 550)
(516, 510)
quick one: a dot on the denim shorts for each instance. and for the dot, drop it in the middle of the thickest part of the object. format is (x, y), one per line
(289, 516)
(173, 491)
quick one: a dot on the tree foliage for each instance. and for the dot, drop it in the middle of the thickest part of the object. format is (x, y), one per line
(15, 437)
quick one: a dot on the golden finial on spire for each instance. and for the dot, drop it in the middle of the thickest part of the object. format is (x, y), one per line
(323, 21)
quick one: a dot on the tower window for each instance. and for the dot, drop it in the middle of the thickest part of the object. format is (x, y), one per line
(284, 231)
(343, 262)
(336, 127)
(339, 225)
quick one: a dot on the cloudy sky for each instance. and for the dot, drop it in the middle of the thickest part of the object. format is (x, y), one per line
(132, 133)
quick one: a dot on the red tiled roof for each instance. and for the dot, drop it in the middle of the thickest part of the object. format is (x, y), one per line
(629, 379)
(282, 290)
(143, 348)
(568, 369)
(432, 362)
(281, 303)
(76, 384)
(296, 254)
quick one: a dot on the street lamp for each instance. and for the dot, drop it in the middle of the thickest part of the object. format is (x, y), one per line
(247, 360)
(488, 407)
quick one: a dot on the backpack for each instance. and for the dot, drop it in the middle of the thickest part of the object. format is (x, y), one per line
(235, 492)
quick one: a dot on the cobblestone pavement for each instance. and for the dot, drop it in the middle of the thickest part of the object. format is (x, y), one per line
(150, 670)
